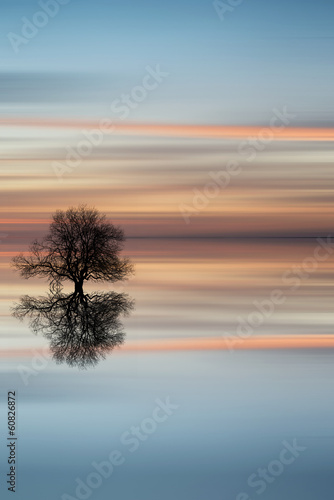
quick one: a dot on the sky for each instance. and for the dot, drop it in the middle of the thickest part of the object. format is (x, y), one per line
(234, 70)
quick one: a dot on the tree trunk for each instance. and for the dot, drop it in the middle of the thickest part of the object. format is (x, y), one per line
(78, 287)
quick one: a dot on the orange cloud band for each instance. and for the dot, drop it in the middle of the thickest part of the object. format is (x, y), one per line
(204, 131)
(209, 344)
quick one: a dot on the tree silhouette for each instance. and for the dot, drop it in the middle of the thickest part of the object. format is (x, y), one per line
(80, 246)
(81, 328)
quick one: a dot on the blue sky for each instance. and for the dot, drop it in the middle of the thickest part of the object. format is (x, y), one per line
(261, 56)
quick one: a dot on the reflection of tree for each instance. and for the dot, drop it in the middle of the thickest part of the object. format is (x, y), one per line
(81, 246)
(81, 327)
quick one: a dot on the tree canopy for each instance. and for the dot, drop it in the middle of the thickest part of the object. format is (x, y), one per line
(81, 245)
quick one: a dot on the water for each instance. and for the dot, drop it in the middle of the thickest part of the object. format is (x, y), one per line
(231, 412)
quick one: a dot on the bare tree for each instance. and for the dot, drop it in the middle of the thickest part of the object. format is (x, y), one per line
(81, 328)
(81, 245)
